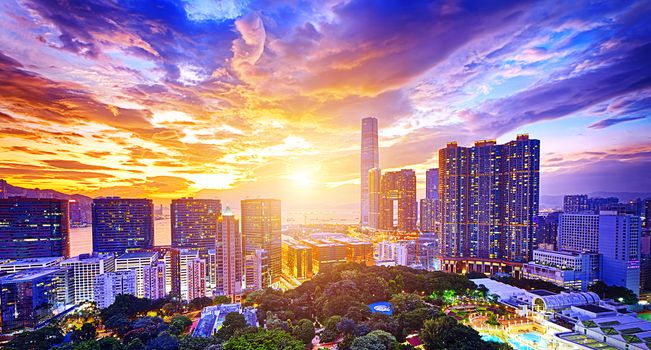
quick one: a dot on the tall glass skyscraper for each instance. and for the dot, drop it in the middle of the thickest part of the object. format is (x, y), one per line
(489, 198)
(34, 228)
(122, 223)
(261, 229)
(194, 222)
(369, 160)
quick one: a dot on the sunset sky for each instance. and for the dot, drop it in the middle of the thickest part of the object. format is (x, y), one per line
(239, 99)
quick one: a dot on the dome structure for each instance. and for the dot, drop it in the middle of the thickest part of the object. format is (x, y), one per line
(563, 300)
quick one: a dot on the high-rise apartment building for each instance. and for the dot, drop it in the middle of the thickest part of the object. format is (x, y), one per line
(547, 230)
(122, 223)
(136, 261)
(228, 256)
(154, 280)
(575, 203)
(194, 222)
(374, 177)
(369, 160)
(489, 196)
(34, 228)
(256, 270)
(86, 267)
(172, 258)
(428, 209)
(398, 187)
(109, 284)
(261, 229)
(196, 278)
(185, 257)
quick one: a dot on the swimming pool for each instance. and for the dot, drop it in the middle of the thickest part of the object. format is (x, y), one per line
(524, 341)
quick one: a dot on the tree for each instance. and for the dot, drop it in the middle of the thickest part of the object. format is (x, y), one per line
(189, 342)
(264, 339)
(179, 325)
(446, 333)
(109, 343)
(41, 339)
(221, 299)
(87, 332)
(367, 342)
(199, 303)
(405, 302)
(163, 341)
(232, 323)
(617, 293)
(135, 344)
(304, 330)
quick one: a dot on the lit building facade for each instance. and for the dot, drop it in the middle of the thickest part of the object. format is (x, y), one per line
(109, 284)
(154, 281)
(186, 256)
(489, 199)
(578, 232)
(374, 177)
(136, 261)
(297, 260)
(28, 264)
(86, 268)
(428, 210)
(228, 257)
(261, 229)
(575, 203)
(122, 223)
(619, 246)
(196, 278)
(256, 270)
(570, 270)
(325, 254)
(172, 258)
(369, 160)
(399, 186)
(194, 222)
(34, 228)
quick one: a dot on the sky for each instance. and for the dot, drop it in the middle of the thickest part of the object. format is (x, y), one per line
(243, 99)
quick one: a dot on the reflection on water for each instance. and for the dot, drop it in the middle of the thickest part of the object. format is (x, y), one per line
(81, 239)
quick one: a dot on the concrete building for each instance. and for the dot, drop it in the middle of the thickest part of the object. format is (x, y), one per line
(619, 246)
(575, 203)
(154, 280)
(86, 268)
(325, 254)
(109, 284)
(194, 222)
(261, 229)
(578, 232)
(369, 159)
(31, 263)
(374, 177)
(428, 210)
(34, 228)
(297, 260)
(185, 257)
(571, 270)
(172, 258)
(256, 267)
(136, 261)
(122, 223)
(228, 257)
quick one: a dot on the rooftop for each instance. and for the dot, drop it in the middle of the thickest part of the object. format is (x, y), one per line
(28, 275)
(594, 308)
(138, 255)
(45, 260)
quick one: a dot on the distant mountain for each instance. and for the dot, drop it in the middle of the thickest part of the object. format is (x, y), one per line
(80, 209)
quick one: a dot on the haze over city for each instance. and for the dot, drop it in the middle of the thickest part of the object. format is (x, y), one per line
(237, 99)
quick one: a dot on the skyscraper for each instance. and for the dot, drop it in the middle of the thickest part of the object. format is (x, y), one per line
(578, 232)
(369, 160)
(256, 270)
(428, 209)
(121, 223)
(109, 284)
(194, 222)
(619, 246)
(228, 256)
(85, 268)
(374, 176)
(575, 203)
(261, 229)
(196, 278)
(398, 186)
(432, 183)
(34, 228)
(489, 197)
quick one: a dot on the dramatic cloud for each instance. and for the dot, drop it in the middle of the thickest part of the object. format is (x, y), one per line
(253, 98)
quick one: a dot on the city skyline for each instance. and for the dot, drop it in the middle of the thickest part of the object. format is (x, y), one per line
(263, 100)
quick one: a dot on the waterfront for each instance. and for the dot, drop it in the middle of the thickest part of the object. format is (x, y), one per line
(81, 238)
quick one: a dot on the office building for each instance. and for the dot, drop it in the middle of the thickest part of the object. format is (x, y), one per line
(228, 256)
(261, 229)
(489, 197)
(28, 264)
(297, 260)
(30, 298)
(121, 223)
(325, 254)
(109, 284)
(34, 228)
(194, 222)
(211, 271)
(645, 261)
(596, 204)
(570, 270)
(154, 281)
(432, 183)
(86, 267)
(136, 261)
(398, 187)
(428, 210)
(357, 251)
(575, 203)
(547, 232)
(374, 177)
(619, 246)
(196, 278)
(256, 270)
(578, 232)
(369, 160)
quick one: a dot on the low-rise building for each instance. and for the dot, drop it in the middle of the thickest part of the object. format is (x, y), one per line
(212, 318)
(30, 263)
(567, 269)
(136, 261)
(109, 284)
